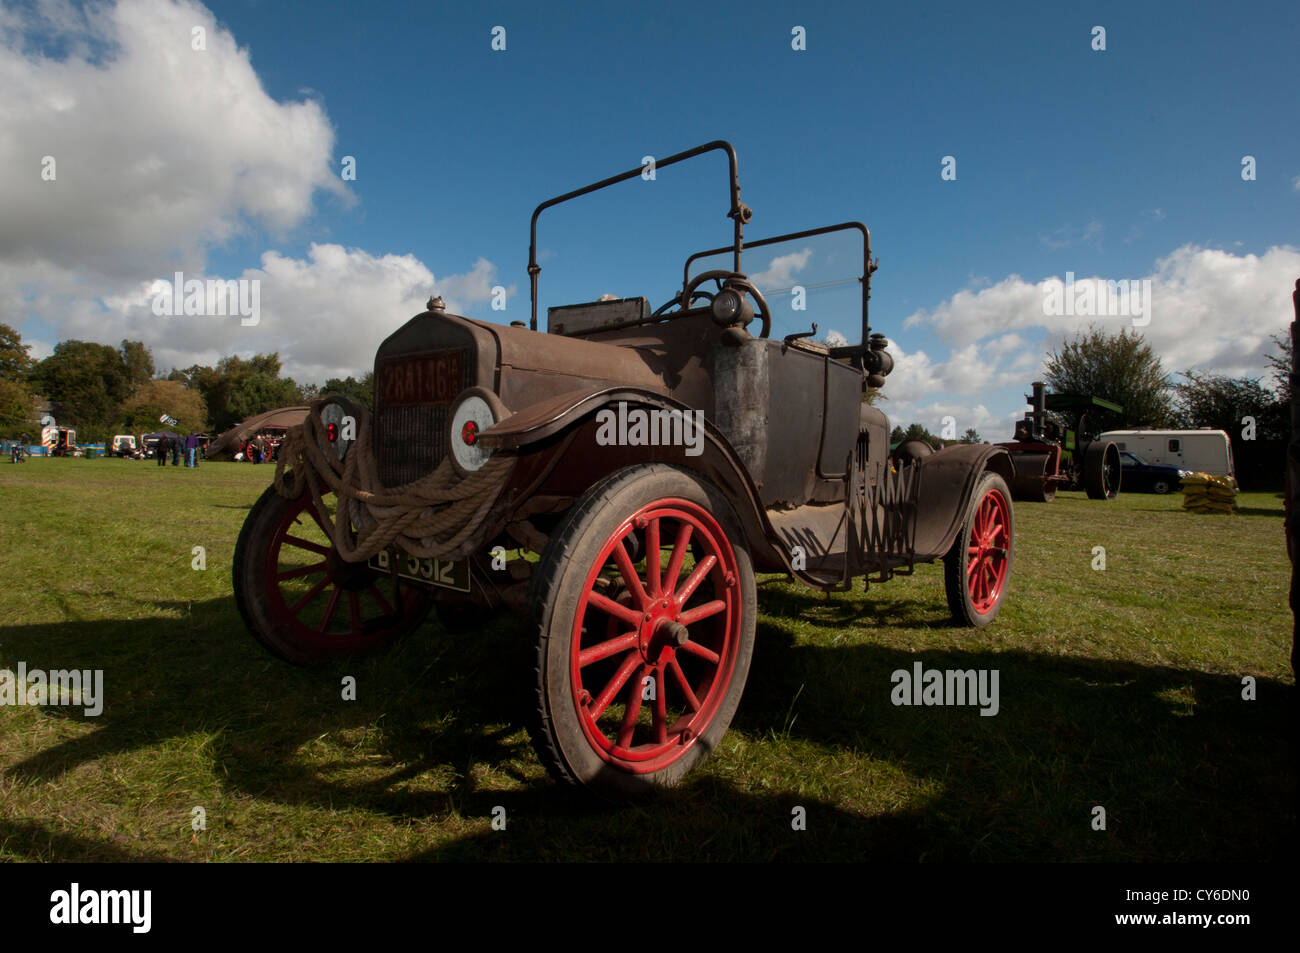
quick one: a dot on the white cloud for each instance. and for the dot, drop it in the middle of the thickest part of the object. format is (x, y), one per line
(325, 314)
(1211, 310)
(162, 152)
(159, 150)
(780, 273)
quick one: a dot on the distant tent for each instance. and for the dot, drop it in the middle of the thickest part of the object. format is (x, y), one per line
(274, 420)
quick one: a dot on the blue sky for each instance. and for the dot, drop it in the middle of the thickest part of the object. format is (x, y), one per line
(1119, 164)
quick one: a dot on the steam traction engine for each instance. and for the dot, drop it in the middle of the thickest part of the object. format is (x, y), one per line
(1056, 446)
(640, 595)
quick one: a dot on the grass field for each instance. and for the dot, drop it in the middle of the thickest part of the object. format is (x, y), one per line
(1119, 688)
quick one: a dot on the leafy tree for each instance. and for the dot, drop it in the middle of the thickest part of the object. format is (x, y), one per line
(137, 363)
(152, 399)
(239, 388)
(1120, 368)
(16, 411)
(1220, 403)
(914, 432)
(15, 362)
(971, 436)
(1281, 367)
(85, 383)
(361, 391)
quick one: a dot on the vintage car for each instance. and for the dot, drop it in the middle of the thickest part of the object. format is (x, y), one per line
(618, 479)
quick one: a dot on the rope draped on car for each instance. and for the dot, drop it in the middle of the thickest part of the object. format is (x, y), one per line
(437, 515)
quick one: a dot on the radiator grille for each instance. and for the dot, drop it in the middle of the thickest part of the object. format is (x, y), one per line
(411, 440)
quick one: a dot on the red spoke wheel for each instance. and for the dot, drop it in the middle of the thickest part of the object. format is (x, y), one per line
(645, 609)
(978, 566)
(303, 602)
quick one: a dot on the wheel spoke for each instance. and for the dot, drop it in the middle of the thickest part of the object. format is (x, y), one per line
(617, 682)
(304, 571)
(680, 548)
(329, 608)
(309, 546)
(631, 578)
(696, 577)
(379, 597)
(691, 616)
(630, 716)
(696, 649)
(309, 596)
(660, 708)
(618, 611)
(652, 554)
(354, 609)
(606, 649)
(675, 667)
(311, 508)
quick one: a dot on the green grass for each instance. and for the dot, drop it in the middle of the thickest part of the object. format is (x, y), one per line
(1119, 688)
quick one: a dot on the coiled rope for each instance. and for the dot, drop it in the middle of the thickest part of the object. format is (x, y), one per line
(437, 515)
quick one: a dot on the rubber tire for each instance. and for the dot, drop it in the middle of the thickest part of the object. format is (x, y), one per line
(1160, 486)
(252, 600)
(553, 596)
(955, 560)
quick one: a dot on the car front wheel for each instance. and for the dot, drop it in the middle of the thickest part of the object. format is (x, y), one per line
(644, 612)
(303, 602)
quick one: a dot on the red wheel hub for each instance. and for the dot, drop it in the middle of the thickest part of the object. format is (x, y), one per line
(654, 646)
(325, 602)
(987, 550)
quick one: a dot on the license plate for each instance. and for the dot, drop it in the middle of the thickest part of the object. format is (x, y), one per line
(445, 573)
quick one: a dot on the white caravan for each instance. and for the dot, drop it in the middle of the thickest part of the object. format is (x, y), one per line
(1202, 451)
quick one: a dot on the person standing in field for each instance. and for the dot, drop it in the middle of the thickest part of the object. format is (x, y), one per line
(161, 449)
(191, 450)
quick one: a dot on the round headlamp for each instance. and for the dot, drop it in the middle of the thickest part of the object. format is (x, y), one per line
(473, 412)
(339, 417)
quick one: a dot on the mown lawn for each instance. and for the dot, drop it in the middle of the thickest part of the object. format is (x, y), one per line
(1119, 688)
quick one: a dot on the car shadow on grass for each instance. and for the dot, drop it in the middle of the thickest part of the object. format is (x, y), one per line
(1183, 766)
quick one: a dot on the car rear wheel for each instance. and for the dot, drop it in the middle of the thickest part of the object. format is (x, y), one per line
(304, 603)
(641, 664)
(977, 568)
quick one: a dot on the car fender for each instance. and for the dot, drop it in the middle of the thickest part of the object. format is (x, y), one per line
(947, 483)
(567, 421)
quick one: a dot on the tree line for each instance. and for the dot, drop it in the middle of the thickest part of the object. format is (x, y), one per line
(1123, 369)
(101, 390)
